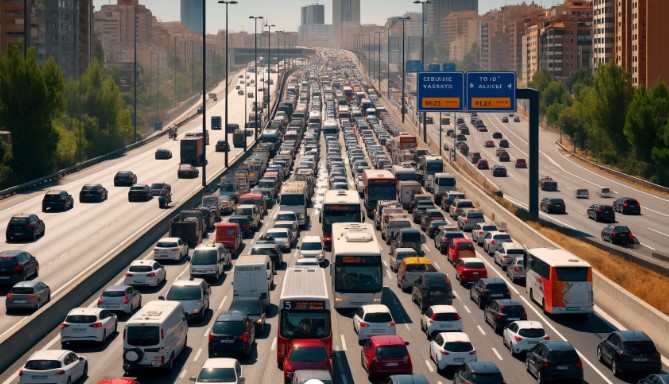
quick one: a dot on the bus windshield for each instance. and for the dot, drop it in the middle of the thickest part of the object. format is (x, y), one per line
(382, 192)
(304, 324)
(358, 278)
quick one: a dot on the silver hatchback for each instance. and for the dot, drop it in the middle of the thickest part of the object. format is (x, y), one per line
(30, 294)
(516, 270)
(120, 298)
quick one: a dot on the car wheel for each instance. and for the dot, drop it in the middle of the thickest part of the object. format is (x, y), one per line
(614, 368)
(37, 307)
(170, 365)
(104, 337)
(85, 373)
(599, 354)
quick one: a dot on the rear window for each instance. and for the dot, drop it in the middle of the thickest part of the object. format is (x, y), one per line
(382, 317)
(22, 290)
(465, 246)
(532, 332)
(515, 251)
(446, 317)
(308, 355)
(475, 215)
(143, 335)
(559, 357)
(411, 236)
(487, 378)
(42, 365)
(640, 346)
(475, 264)
(204, 257)
(458, 346)
(504, 236)
(465, 204)
(513, 310)
(18, 220)
(228, 328)
(81, 319)
(113, 293)
(250, 307)
(497, 287)
(52, 197)
(166, 244)
(621, 229)
(217, 375)
(489, 228)
(140, 268)
(572, 273)
(392, 351)
(419, 268)
(184, 292)
(8, 262)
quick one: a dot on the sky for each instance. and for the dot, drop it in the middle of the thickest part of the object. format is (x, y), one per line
(285, 14)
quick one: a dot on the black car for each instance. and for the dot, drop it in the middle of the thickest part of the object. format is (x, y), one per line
(497, 135)
(601, 212)
(187, 171)
(617, 234)
(504, 143)
(474, 157)
(660, 378)
(57, 200)
(93, 192)
(139, 192)
(487, 290)
(253, 308)
(269, 248)
(222, 146)
(498, 171)
(232, 332)
(627, 351)
(503, 156)
(163, 154)
(125, 179)
(554, 361)
(28, 226)
(478, 372)
(17, 266)
(500, 313)
(432, 288)
(553, 205)
(243, 222)
(626, 206)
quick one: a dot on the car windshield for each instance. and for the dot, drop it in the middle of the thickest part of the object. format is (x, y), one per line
(292, 200)
(184, 292)
(217, 375)
(142, 335)
(465, 204)
(42, 365)
(639, 346)
(249, 307)
(458, 346)
(81, 319)
(308, 355)
(532, 332)
(392, 351)
(312, 246)
(204, 257)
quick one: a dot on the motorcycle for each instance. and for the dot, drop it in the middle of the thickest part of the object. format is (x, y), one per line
(164, 200)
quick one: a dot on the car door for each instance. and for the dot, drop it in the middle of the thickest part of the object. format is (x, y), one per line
(74, 365)
(135, 297)
(476, 289)
(109, 320)
(491, 312)
(610, 347)
(359, 314)
(533, 358)
(416, 289)
(436, 345)
(42, 291)
(160, 271)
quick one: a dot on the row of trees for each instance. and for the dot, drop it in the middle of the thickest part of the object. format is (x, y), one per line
(606, 116)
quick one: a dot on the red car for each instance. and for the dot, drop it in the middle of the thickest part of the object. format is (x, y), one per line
(489, 144)
(386, 355)
(125, 380)
(482, 164)
(521, 163)
(461, 248)
(470, 269)
(305, 354)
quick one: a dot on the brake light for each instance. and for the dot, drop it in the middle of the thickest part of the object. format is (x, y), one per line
(518, 338)
(64, 325)
(128, 275)
(20, 372)
(545, 363)
(492, 242)
(516, 268)
(457, 316)
(60, 372)
(547, 337)
(32, 296)
(10, 296)
(18, 268)
(363, 324)
(656, 356)
(152, 274)
(126, 300)
(244, 337)
(624, 204)
(211, 338)
(631, 236)
(445, 353)
(599, 210)
(391, 324)
(473, 352)
(579, 364)
(499, 316)
(96, 325)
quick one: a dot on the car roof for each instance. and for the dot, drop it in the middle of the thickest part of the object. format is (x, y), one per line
(509, 302)
(443, 308)
(191, 281)
(455, 336)
(169, 239)
(318, 374)
(409, 379)
(312, 239)
(302, 343)
(116, 288)
(230, 316)
(26, 283)
(416, 260)
(632, 335)
(386, 340)
(483, 367)
(376, 308)
(555, 345)
(142, 262)
(220, 362)
(529, 324)
(49, 354)
(85, 311)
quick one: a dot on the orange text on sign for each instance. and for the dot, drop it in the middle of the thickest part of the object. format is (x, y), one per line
(440, 102)
(490, 102)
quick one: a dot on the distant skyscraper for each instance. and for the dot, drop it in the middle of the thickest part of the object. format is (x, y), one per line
(191, 15)
(437, 10)
(313, 14)
(603, 34)
(344, 11)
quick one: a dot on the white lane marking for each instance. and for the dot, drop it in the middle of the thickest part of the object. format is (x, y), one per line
(497, 354)
(273, 347)
(429, 365)
(389, 275)
(197, 354)
(593, 367)
(466, 309)
(183, 374)
(581, 212)
(385, 263)
(437, 266)
(656, 231)
(220, 306)
(648, 246)
(343, 343)
(481, 330)
(456, 295)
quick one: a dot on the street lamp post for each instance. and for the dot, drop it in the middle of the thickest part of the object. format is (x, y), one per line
(378, 67)
(204, 93)
(422, 54)
(225, 132)
(269, 64)
(404, 19)
(388, 63)
(255, 64)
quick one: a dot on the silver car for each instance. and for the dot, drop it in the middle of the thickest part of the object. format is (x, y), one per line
(30, 294)
(120, 298)
(516, 270)
(398, 255)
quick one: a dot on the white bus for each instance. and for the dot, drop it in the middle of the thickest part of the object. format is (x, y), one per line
(304, 309)
(559, 281)
(294, 199)
(356, 269)
(339, 207)
(315, 118)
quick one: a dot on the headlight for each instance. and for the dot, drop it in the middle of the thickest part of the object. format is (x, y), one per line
(301, 216)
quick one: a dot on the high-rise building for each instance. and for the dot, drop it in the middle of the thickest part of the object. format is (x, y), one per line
(344, 12)
(12, 26)
(437, 10)
(191, 15)
(313, 14)
(62, 34)
(313, 30)
(116, 27)
(603, 31)
(462, 28)
(639, 47)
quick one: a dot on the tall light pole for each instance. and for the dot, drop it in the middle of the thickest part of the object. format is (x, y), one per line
(404, 108)
(134, 90)
(422, 54)
(255, 64)
(269, 63)
(204, 93)
(388, 63)
(378, 67)
(225, 132)
(282, 54)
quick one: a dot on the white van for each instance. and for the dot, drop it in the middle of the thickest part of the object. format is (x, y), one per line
(253, 276)
(155, 336)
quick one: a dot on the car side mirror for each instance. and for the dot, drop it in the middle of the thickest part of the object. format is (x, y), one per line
(161, 297)
(81, 358)
(192, 378)
(406, 343)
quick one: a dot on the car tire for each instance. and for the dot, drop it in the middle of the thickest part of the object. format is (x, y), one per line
(614, 368)
(104, 337)
(37, 307)
(599, 354)
(85, 373)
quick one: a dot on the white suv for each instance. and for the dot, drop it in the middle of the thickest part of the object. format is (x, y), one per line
(170, 248)
(522, 335)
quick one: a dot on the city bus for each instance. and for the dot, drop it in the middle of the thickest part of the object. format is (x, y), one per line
(339, 207)
(304, 309)
(357, 273)
(378, 185)
(559, 281)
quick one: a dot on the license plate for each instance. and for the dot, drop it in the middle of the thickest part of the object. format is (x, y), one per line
(79, 329)
(562, 367)
(391, 364)
(514, 318)
(38, 377)
(112, 305)
(377, 330)
(138, 281)
(639, 359)
(496, 295)
(227, 341)
(459, 359)
(20, 301)
(572, 308)
(475, 273)
(532, 342)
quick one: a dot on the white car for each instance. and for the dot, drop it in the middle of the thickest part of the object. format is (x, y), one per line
(307, 262)
(520, 336)
(220, 370)
(582, 193)
(360, 185)
(145, 272)
(312, 246)
(87, 324)
(440, 318)
(493, 239)
(292, 228)
(605, 193)
(170, 248)
(480, 230)
(55, 366)
(506, 253)
(373, 320)
(287, 216)
(282, 238)
(451, 349)
(122, 298)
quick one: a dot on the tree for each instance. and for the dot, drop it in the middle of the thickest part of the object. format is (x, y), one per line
(646, 117)
(470, 62)
(541, 79)
(613, 93)
(581, 77)
(660, 155)
(31, 96)
(554, 93)
(571, 123)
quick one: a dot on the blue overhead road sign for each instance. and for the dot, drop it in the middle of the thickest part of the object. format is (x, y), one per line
(434, 67)
(491, 91)
(414, 66)
(441, 91)
(449, 67)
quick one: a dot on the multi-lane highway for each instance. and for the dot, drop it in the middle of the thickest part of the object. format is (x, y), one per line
(77, 240)
(106, 361)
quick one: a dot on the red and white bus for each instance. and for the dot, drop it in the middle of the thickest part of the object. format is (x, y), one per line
(559, 281)
(304, 309)
(339, 207)
(379, 184)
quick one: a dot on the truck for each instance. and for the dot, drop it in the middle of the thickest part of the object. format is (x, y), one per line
(441, 184)
(238, 138)
(406, 189)
(216, 122)
(428, 166)
(548, 184)
(192, 151)
(214, 202)
(230, 235)
(395, 223)
(385, 217)
(306, 175)
(188, 229)
(228, 188)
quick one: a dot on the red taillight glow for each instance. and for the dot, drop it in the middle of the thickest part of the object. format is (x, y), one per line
(60, 372)
(20, 372)
(128, 275)
(545, 363)
(162, 334)
(211, 338)
(363, 324)
(96, 325)
(32, 296)
(579, 364)
(126, 300)
(547, 337)
(64, 325)
(151, 274)
(244, 337)
(18, 268)
(518, 338)
(445, 353)
(473, 352)
(10, 296)
(391, 324)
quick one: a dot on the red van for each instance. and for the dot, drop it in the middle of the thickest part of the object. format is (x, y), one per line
(230, 235)
(256, 199)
